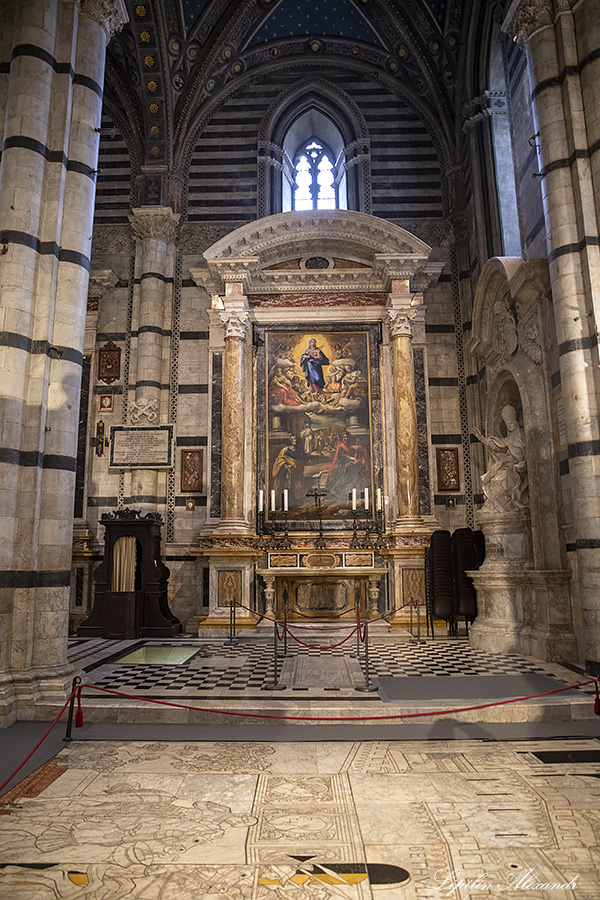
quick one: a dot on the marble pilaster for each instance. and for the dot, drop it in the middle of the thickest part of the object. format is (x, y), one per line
(405, 419)
(235, 325)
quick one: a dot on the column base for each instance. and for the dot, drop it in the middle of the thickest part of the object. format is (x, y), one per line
(407, 524)
(232, 526)
(526, 612)
(8, 701)
(37, 692)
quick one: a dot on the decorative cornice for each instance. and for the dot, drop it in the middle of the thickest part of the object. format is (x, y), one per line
(235, 324)
(400, 322)
(525, 17)
(158, 222)
(111, 14)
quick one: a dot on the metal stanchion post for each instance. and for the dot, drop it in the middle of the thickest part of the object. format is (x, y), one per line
(275, 685)
(285, 634)
(411, 617)
(67, 737)
(357, 653)
(368, 686)
(418, 621)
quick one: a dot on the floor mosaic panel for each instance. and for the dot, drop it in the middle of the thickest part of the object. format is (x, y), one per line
(313, 821)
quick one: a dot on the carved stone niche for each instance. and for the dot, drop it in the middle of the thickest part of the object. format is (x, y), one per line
(523, 586)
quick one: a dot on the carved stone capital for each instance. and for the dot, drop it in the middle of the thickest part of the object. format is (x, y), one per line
(111, 14)
(400, 322)
(524, 17)
(235, 324)
(154, 222)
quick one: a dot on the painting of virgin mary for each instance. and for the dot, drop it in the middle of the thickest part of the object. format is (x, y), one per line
(312, 361)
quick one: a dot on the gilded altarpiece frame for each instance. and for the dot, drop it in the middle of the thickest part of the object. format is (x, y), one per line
(318, 419)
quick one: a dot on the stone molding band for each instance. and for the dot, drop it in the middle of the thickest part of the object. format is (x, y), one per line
(567, 162)
(22, 342)
(152, 329)
(22, 142)
(557, 80)
(192, 389)
(584, 448)
(59, 68)
(44, 248)
(153, 275)
(585, 343)
(584, 544)
(13, 578)
(148, 383)
(590, 240)
(35, 459)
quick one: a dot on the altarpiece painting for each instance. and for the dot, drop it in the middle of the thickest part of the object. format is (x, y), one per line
(317, 396)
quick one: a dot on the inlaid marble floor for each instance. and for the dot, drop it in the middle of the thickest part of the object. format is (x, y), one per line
(212, 668)
(311, 821)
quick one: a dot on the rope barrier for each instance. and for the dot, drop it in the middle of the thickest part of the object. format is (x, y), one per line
(385, 615)
(316, 646)
(437, 712)
(40, 742)
(230, 712)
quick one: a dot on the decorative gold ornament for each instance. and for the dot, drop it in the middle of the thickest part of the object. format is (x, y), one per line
(152, 86)
(140, 11)
(153, 108)
(149, 61)
(145, 36)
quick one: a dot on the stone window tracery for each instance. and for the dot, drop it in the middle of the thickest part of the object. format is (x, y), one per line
(315, 177)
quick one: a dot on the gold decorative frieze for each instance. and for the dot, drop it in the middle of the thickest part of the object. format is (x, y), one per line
(283, 560)
(358, 560)
(321, 560)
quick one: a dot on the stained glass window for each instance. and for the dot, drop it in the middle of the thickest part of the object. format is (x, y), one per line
(315, 177)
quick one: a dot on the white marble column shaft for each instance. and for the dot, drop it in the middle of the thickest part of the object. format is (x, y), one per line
(46, 210)
(155, 230)
(563, 98)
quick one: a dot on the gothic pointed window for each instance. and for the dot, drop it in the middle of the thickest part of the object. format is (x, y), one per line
(315, 177)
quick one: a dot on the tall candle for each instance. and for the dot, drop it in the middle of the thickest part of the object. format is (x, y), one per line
(353, 498)
(272, 501)
(285, 500)
(261, 501)
(379, 506)
(366, 499)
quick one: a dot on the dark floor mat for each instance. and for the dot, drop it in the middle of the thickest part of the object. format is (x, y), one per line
(466, 687)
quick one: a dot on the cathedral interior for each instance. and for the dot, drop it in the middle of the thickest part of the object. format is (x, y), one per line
(329, 589)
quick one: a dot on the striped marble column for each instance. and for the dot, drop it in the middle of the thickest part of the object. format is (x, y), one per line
(553, 34)
(52, 107)
(154, 229)
(405, 420)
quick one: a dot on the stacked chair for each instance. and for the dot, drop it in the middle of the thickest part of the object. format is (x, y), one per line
(450, 593)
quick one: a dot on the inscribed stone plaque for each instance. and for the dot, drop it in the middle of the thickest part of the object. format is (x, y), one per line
(141, 447)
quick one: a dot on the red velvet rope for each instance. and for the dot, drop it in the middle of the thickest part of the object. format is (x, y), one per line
(316, 646)
(40, 742)
(437, 712)
(230, 712)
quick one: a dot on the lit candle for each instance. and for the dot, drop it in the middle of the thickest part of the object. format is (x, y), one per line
(353, 499)
(272, 501)
(366, 499)
(379, 498)
(261, 501)
(285, 500)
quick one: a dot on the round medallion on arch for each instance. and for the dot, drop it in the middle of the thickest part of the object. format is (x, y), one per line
(317, 262)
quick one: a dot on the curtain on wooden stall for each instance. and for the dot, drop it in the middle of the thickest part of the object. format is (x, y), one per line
(124, 562)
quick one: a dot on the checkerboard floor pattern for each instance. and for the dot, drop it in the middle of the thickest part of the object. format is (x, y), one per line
(251, 665)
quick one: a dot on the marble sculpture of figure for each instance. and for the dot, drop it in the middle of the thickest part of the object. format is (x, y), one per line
(505, 484)
(312, 361)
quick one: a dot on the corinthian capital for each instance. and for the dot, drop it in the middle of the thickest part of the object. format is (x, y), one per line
(526, 16)
(155, 222)
(399, 322)
(111, 14)
(235, 324)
